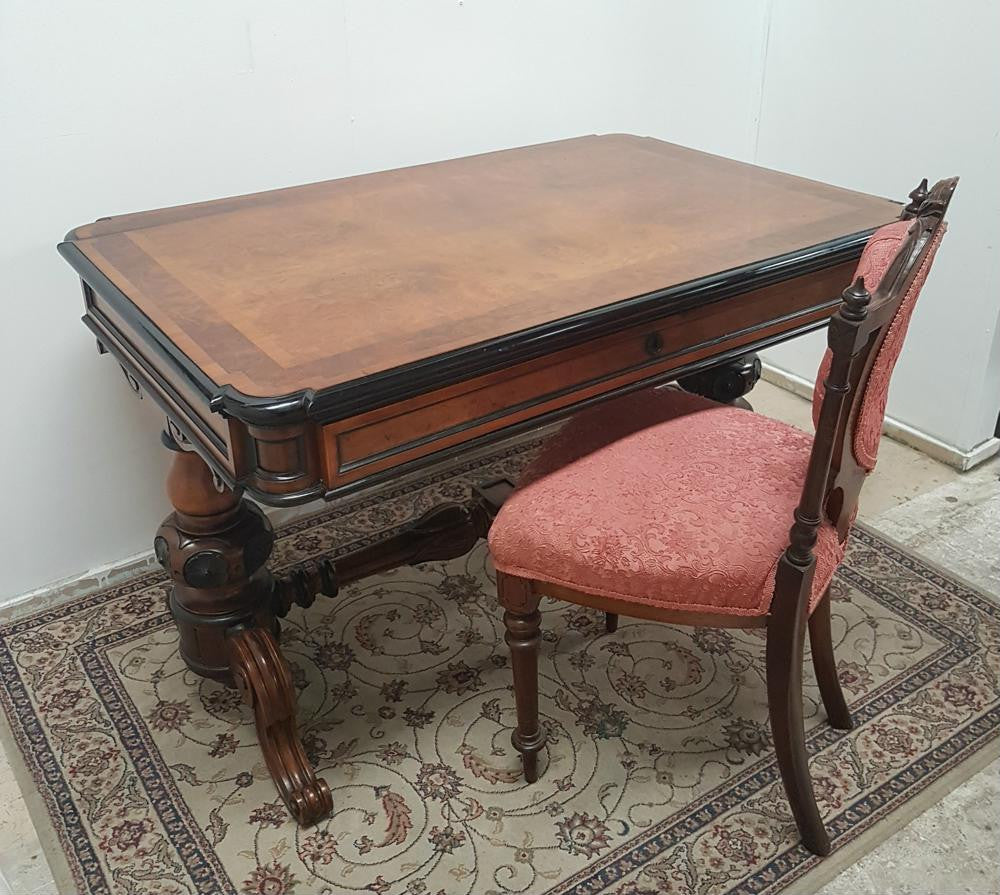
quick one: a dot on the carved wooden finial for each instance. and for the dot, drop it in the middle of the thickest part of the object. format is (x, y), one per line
(917, 198)
(937, 200)
(856, 299)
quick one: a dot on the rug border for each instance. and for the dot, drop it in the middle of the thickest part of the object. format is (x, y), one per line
(811, 881)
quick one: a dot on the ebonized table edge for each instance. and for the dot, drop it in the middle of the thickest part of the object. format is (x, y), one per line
(407, 381)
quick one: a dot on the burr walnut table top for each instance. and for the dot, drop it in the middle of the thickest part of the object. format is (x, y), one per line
(318, 286)
(320, 339)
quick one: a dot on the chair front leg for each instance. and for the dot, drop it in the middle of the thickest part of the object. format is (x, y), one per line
(522, 620)
(786, 631)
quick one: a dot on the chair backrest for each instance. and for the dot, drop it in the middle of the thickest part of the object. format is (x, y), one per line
(865, 338)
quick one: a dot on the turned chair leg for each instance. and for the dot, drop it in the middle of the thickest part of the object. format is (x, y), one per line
(611, 622)
(825, 665)
(785, 651)
(522, 620)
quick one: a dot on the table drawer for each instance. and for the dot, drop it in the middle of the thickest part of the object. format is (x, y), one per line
(401, 432)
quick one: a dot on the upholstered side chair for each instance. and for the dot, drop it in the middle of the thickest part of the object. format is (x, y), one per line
(664, 505)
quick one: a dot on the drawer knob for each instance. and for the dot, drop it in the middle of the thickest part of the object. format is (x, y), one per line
(653, 344)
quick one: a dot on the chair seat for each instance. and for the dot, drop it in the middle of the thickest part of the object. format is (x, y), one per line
(664, 498)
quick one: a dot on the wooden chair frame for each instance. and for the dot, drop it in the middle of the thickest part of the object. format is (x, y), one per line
(832, 486)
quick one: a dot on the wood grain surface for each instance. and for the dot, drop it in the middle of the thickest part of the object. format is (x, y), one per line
(318, 285)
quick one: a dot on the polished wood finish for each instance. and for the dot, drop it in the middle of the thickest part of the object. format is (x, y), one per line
(215, 545)
(404, 432)
(225, 602)
(786, 626)
(313, 286)
(825, 665)
(314, 341)
(830, 490)
(263, 678)
(522, 620)
(445, 532)
(728, 384)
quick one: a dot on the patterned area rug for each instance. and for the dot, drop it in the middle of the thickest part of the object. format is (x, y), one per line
(658, 778)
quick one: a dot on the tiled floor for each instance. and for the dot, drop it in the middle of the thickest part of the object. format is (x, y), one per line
(22, 864)
(952, 848)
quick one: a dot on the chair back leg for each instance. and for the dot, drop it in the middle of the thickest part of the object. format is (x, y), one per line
(825, 665)
(522, 620)
(785, 651)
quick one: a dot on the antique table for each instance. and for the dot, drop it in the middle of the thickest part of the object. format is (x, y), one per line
(308, 342)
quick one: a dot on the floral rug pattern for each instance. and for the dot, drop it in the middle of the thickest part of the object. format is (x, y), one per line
(658, 776)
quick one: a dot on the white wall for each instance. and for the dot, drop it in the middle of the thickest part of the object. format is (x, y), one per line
(108, 107)
(852, 96)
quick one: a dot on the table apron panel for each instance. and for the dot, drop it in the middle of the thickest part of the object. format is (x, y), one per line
(400, 433)
(209, 431)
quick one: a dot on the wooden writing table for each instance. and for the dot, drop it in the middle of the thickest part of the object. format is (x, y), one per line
(312, 341)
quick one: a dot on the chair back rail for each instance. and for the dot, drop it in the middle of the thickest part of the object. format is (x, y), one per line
(856, 334)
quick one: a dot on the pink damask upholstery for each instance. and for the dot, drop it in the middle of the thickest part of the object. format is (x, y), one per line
(663, 498)
(875, 260)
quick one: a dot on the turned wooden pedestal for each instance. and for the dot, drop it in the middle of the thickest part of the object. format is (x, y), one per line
(215, 545)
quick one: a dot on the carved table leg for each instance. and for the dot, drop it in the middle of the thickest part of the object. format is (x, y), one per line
(262, 676)
(727, 383)
(215, 545)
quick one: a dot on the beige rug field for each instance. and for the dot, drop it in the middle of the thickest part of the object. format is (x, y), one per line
(659, 775)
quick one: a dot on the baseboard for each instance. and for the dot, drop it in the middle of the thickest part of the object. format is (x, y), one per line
(57, 592)
(897, 431)
(939, 450)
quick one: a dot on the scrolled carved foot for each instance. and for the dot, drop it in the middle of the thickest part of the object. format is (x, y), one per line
(262, 677)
